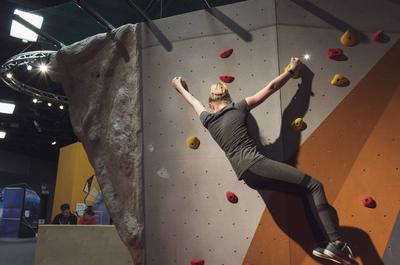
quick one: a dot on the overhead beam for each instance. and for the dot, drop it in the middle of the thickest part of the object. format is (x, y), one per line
(39, 32)
(152, 26)
(93, 13)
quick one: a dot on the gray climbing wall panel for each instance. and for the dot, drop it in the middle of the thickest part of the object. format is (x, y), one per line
(392, 251)
(311, 27)
(187, 214)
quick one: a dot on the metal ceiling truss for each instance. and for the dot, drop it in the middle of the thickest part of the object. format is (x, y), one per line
(33, 57)
(29, 58)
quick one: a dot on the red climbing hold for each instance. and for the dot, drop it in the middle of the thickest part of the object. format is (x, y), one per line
(197, 262)
(232, 197)
(378, 36)
(227, 78)
(335, 53)
(368, 202)
(248, 264)
(226, 53)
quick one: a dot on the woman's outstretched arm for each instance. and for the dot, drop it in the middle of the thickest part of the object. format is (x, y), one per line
(274, 85)
(197, 106)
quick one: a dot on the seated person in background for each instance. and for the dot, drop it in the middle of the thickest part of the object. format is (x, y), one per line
(88, 217)
(65, 217)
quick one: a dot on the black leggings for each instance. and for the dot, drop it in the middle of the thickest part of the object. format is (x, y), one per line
(267, 174)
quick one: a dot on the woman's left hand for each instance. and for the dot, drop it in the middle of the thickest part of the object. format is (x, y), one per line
(176, 82)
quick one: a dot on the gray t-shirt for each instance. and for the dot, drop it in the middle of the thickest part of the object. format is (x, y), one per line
(229, 129)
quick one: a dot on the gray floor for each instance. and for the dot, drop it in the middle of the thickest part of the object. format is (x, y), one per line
(17, 251)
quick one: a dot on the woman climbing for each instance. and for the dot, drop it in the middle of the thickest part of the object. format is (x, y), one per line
(226, 123)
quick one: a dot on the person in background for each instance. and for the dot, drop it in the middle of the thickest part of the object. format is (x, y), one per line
(65, 217)
(88, 217)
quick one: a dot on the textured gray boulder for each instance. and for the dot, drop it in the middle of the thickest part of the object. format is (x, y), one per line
(101, 78)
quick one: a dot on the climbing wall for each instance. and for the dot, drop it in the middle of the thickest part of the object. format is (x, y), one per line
(312, 27)
(187, 213)
(351, 140)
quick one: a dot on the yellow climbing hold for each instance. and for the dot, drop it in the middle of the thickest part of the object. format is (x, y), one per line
(349, 38)
(297, 124)
(296, 74)
(339, 80)
(193, 142)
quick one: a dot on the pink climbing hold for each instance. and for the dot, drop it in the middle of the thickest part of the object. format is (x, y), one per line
(335, 54)
(226, 53)
(197, 262)
(227, 78)
(368, 201)
(378, 36)
(248, 264)
(232, 197)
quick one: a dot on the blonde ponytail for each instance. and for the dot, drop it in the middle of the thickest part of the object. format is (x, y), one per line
(219, 92)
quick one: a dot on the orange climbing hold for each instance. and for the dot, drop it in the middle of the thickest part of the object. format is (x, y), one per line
(227, 78)
(349, 38)
(193, 142)
(197, 262)
(226, 53)
(339, 80)
(368, 201)
(232, 197)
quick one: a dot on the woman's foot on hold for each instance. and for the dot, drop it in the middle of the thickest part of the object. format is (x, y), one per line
(339, 253)
(319, 252)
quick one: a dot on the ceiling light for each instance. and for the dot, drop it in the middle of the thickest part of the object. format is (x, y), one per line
(49, 104)
(53, 143)
(306, 57)
(29, 67)
(35, 100)
(61, 106)
(7, 107)
(20, 31)
(2, 134)
(44, 68)
(9, 75)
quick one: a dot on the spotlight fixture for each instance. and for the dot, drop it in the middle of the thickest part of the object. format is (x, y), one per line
(49, 104)
(2, 134)
(306, 57)
(61, 107)
(7, 107)
(44, 68)
(29, 67)
(20, 31)
(53, 143)
(9, 75)
(35, 100)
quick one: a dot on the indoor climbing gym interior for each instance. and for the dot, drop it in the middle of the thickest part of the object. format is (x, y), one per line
(199, 132)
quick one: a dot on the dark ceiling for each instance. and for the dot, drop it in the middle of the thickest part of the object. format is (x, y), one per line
(67, 23)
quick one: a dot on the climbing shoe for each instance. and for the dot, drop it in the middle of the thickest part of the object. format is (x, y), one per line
(340, 253)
